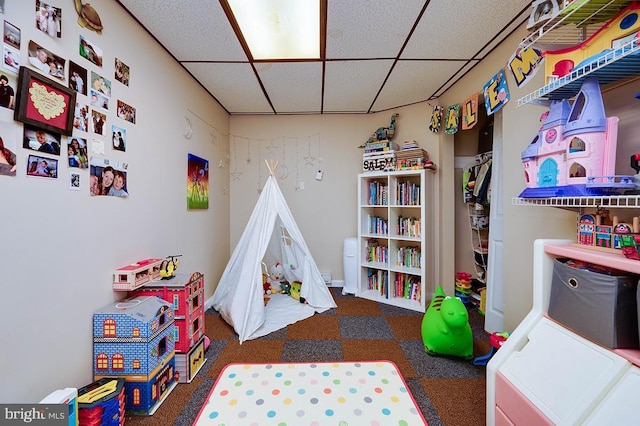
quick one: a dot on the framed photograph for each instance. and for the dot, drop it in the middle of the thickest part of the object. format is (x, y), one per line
(37, 139)
(108, 177)
(122, 72)
(11, 35)
(46, 61)
(44, 103)
(42, 167)
(77, 78)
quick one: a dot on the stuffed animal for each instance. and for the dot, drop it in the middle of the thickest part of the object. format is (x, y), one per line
(296, 290)
(285, 288)
(445, 327)
(275, 277)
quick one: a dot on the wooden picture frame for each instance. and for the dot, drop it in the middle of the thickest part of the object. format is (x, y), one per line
(44, 103)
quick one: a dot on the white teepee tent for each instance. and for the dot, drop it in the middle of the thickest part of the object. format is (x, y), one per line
(238, 296)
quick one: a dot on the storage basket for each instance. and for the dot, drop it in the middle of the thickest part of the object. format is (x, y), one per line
(595, 302)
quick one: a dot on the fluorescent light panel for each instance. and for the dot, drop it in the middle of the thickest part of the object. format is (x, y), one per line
(279, 29)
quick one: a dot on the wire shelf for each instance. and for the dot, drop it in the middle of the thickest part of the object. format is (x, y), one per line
(613, 201)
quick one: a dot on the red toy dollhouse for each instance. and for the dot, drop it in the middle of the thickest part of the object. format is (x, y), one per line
(186, 294)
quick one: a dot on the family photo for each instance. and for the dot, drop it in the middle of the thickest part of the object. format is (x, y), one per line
(108, 178)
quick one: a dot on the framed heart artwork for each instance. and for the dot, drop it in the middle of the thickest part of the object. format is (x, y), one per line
(44, 103)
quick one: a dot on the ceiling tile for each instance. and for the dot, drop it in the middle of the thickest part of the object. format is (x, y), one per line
(454, 78)
(414, 81)
(369, 28)
(293, 86)
(201, 33)
(351, 86)
(458, 29)
(234, 85)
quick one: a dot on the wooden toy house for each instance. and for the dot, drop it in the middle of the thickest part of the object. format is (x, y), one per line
(137, 274)
(186, 294)
(134, 340)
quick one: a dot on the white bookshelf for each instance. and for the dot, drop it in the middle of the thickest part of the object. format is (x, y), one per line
(394, 232)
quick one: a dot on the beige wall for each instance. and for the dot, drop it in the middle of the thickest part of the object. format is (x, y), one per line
(60, 247)
(326, 210)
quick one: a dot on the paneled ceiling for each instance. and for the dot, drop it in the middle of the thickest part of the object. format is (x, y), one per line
(378, 54)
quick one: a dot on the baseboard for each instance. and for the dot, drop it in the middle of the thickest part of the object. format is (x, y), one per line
(208, 303)
(336, 283)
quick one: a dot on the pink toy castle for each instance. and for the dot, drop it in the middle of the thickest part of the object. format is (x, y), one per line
(574, 152)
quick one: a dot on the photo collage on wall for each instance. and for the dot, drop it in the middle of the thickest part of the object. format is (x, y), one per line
(90, 83)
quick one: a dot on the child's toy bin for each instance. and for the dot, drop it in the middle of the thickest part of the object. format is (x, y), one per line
(102, 403)
(67, 396)
(596, 302)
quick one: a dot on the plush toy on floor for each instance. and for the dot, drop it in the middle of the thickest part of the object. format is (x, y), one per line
(296, 290)
(445, 327)
(276, 276)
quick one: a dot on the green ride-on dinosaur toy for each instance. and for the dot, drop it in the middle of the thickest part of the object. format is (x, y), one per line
(445, 327)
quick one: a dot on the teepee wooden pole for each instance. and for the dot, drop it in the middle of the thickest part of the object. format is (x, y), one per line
(272, 166)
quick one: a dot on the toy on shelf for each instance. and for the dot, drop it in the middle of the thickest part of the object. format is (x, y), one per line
(618, 35)
(629, 238)
(134, 339)
(383, 134)
(599, 233)
(496, 340)
(168, 267)
(574, 152)
(445, 327)
(136, 274)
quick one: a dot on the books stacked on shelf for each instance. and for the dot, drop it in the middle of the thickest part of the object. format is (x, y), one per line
(380, 146)
(377, 225)
(377, 193)
(407, 193)
(409, 257)
(378, 280)
(413, 158)
(408, 227)
(407, 286)
(376, 253)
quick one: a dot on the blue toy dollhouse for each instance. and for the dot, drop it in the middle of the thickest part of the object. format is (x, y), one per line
(134, 339)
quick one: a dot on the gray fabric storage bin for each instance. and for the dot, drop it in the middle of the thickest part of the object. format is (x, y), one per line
(598, 306)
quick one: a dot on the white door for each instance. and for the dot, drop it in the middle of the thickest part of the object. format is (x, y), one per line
(494, 309)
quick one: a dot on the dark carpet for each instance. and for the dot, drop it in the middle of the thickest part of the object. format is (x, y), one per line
(449, 391)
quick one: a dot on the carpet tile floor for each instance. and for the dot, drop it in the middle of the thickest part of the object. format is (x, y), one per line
(448, 390)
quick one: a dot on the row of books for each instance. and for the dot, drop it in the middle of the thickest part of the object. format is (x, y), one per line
(408, 257)
(409, 227)
(374, 252)
(407, 193)
(378, 279)
(377, 193)
(377, 225)
(380, 145)
(407, 286)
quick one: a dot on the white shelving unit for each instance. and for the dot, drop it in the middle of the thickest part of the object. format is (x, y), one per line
(613, 66)
(479, 224)
(394, 228)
